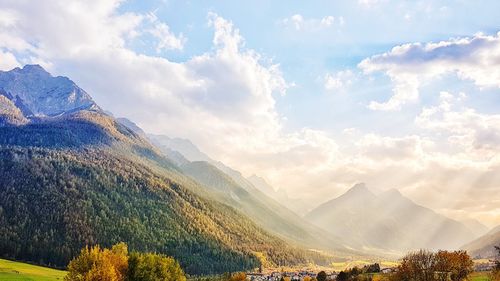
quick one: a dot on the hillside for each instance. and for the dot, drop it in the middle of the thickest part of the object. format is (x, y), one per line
(230, 187)
(484, 246)
(80, 177)
(261, 209)
(388, 221)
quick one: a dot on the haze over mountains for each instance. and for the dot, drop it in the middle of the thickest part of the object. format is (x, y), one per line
(484, 246)
(388, 221)
(240, 193)
(71, 175)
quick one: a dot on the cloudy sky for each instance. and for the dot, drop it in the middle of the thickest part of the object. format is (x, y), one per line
(314, 97)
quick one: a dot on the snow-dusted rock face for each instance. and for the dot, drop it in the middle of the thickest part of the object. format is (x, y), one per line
(37, 93)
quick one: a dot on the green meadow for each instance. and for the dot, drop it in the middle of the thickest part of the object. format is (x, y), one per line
(480, 276)
(18, 271)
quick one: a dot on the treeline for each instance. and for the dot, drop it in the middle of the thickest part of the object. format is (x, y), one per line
(359, 274)
(53, 202)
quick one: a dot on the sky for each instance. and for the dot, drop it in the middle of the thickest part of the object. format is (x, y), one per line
(312, 96)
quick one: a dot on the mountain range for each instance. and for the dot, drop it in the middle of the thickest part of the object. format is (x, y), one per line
(234, 189)
(388, 234)
(71, 174)
(388, 221)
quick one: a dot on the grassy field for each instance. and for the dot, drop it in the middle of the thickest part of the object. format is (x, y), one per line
(18, 271)
(338, 266)
(479, 276)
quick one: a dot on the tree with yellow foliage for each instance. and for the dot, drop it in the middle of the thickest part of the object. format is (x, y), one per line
(238, 276)
(115, 264)
(154, 267)
(95, 263)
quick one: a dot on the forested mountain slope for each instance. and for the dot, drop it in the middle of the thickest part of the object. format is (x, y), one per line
(80, 177)
(263, 210)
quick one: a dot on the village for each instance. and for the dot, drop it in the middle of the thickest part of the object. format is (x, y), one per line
(293, 276)
(480, 265)
(309, 274)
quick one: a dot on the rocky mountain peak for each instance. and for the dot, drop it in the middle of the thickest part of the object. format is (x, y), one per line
(42, 94)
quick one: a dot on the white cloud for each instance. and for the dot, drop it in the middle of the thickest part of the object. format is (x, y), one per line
(7, 18)
(370, 3)
(412, 65)
(338, 80)
(166, 39)
(80, 27)
(475, 133)
(381, 148)
(8, 61)
(299, 23)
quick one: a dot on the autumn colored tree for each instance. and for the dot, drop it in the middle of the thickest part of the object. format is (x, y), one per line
(95, 263)
(416, 266)
(428, 266)
(457, 264)
(115, 264)
(238, 276)
(154, 267)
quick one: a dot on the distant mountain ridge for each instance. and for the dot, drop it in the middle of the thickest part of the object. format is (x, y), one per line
(484, 246)
(476, 227)
(297, 205)
(402, 238)
(184, 151)
(387, 221)
(234, 189)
